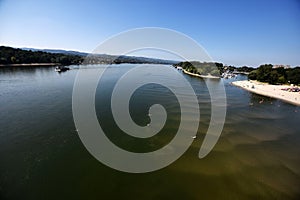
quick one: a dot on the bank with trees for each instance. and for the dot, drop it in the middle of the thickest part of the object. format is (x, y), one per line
(266, 73)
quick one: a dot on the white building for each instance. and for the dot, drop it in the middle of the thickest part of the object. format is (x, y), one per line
(284, 66)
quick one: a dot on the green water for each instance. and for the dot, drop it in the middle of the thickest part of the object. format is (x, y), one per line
(42, 157)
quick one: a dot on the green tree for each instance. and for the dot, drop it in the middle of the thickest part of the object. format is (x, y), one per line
(215, 72)
(253, 75)
(13, 59)
(263, 73)
(281, 80)
(273, 77)
(293, 75)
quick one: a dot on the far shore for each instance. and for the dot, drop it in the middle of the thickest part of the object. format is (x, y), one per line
(198, 75)
(30, 65)
(274, 91)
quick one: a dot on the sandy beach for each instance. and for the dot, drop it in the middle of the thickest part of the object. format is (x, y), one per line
(274, 91)
(201, 76)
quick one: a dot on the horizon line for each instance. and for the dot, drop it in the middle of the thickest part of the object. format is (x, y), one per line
(79, 51)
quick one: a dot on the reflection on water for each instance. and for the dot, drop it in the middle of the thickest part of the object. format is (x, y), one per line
(41, 156)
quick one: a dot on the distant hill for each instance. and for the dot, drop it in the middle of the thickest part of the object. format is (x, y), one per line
(104, 58)
(57, 51)
(15, 56)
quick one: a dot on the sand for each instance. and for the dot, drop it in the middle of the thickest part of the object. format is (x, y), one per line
(201, 76)
(268, 90)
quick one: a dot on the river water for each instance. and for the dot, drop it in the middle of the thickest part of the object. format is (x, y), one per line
(42, 157)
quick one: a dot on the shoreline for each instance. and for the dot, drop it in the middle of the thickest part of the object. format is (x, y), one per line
(30, 65)
(273, 91)
(201, 76)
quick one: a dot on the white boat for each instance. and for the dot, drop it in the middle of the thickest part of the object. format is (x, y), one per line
(228, 75)
(61, 69)
(57, 69)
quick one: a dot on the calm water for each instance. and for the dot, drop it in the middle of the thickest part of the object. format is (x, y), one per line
(42, 157)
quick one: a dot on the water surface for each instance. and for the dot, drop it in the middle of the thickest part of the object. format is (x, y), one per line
(42, 157)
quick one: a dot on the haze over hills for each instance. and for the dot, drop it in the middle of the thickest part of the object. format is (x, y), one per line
(105, 58)
(57, 51)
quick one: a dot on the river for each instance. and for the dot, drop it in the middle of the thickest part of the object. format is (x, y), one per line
(42, 157)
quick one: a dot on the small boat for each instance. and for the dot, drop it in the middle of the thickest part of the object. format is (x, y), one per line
(61, 69)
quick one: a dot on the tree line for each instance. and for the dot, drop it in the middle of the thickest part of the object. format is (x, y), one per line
(202, 68)
(9, 55)
(212, 68)
(266, 73)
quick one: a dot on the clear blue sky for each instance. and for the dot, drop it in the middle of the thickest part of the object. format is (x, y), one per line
(233, 32)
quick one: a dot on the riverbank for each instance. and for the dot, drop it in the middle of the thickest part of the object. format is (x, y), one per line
(30, 65)
(201, 76)
(274, 91)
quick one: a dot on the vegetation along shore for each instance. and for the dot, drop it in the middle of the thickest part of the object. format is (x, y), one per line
(11, 57)
(275, 82)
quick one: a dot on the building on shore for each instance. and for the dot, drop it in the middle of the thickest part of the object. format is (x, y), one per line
(283, 66)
